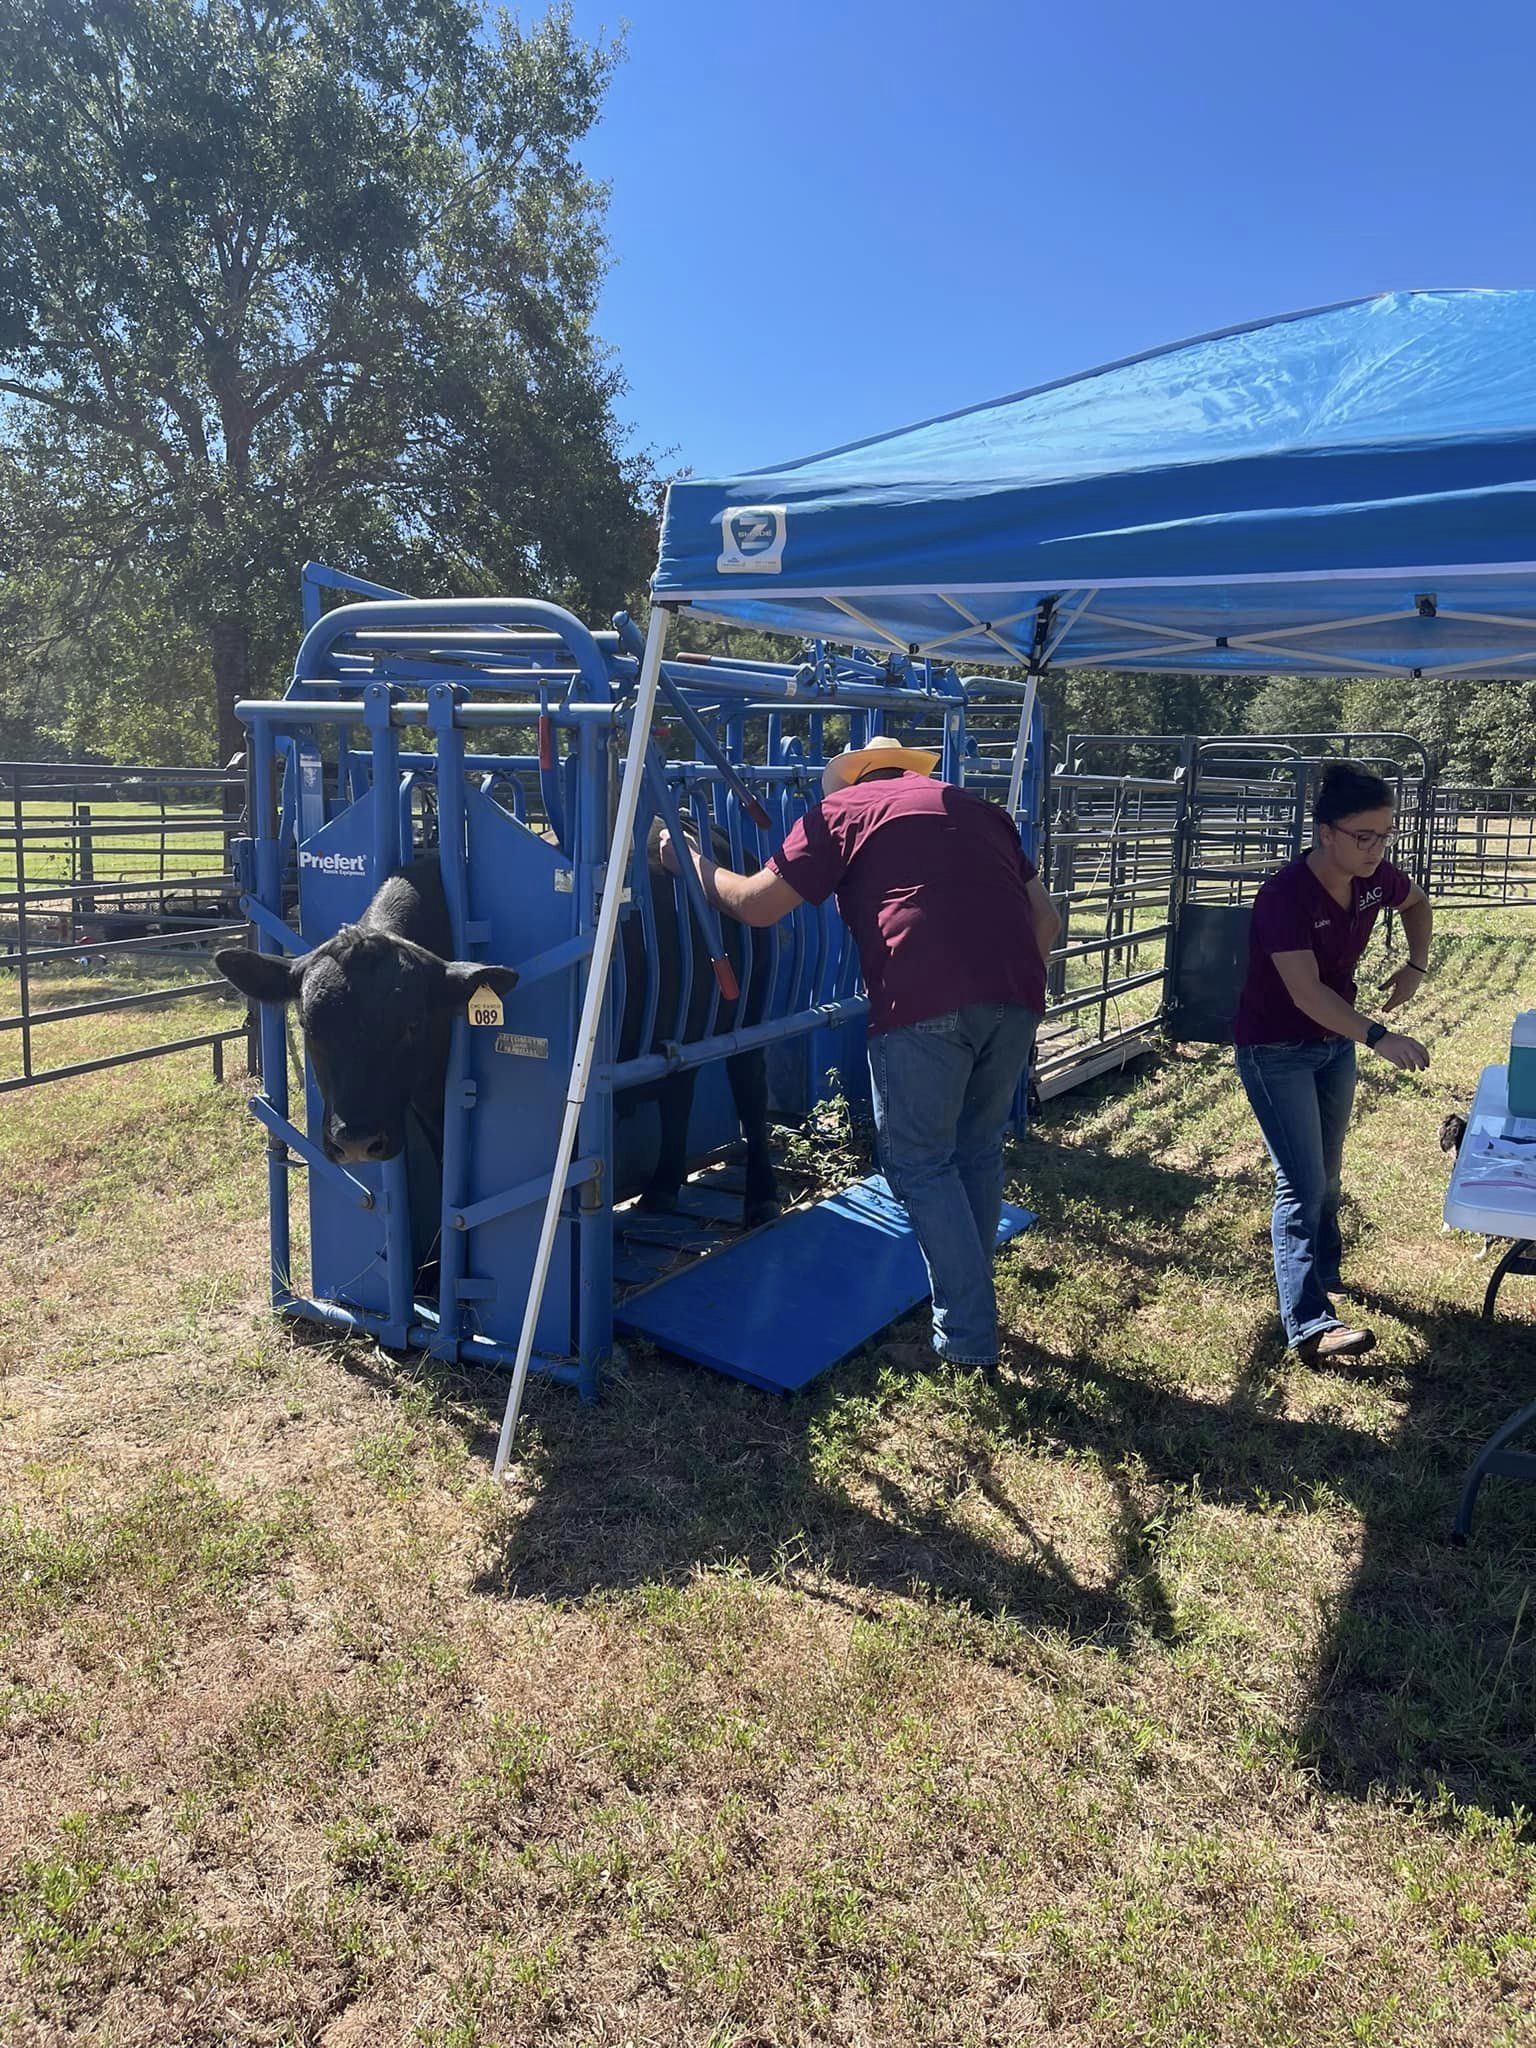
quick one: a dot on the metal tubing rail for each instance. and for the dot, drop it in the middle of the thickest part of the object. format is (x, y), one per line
(301, 711)
(290, 1135)
(701, 1052)
(107, 774)
(216, 1039)
(1116, 942)
(72, 828)
(1086, 998)
(138, 1002)
(437, 614)
(167, 943)
(138, 885)
(1108, 833)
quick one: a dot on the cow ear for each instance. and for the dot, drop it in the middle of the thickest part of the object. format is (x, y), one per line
(264, 977)
(462, 977)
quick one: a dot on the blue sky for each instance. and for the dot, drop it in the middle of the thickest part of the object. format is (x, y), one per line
(830, 220)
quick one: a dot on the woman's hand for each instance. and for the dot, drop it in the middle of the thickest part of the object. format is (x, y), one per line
(1403, 1052)
(1401, 985)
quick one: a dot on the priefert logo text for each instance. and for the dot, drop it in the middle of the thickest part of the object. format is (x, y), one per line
(334, 863)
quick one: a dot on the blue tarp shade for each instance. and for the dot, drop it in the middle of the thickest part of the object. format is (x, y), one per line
(1345, 491)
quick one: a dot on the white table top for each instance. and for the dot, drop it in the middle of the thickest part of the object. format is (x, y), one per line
(1490, 1196)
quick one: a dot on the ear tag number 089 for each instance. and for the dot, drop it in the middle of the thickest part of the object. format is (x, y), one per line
(485, 1008)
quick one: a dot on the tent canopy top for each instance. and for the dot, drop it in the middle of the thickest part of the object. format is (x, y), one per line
(1346, 491)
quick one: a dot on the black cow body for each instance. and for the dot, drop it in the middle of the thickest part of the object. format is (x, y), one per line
(377, 1003)
(747, 1072)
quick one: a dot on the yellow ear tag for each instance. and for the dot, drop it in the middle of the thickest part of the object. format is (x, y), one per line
(485, 1008)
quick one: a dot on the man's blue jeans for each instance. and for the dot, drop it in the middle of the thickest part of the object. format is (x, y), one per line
(1301, 1094)
(942, 1090)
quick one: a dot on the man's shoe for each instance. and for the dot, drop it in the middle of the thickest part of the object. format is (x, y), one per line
(1339, 1342)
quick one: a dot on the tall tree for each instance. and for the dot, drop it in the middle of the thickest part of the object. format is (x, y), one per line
(282, 277)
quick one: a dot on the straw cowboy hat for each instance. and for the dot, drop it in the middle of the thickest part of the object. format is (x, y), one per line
(844, 769)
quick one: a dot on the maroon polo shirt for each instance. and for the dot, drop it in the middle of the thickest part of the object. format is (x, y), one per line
(1293, 913)
(932, 883)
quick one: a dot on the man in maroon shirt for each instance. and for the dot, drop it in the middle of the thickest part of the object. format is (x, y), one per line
(953, 928)
(1297, 1028)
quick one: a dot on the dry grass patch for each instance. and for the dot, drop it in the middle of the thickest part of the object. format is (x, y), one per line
(1131, 1694)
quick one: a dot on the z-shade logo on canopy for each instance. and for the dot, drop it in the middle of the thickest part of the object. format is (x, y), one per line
(751, 540)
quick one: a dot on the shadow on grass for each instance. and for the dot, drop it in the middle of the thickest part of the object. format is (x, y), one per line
(1429, 1676)
(1426, 1673)
(856, 1479)
(677, 1470)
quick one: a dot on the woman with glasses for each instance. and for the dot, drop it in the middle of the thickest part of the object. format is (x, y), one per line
(1297, 1028)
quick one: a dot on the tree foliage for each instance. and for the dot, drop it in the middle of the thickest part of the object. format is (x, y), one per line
(289, 278)
(1472, 733)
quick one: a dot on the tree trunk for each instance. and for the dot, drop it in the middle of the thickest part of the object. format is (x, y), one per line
(230, 646)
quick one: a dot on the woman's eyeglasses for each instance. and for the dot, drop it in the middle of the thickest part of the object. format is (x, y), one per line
(1366, 841)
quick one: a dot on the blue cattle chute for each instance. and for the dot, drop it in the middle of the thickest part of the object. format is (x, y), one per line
(390, 739)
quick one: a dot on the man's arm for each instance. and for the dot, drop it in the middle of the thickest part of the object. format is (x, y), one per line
(1044, 916)
(759, 899)
(1325, 1006)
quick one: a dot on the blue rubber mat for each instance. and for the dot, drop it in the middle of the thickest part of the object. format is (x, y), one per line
(782, 1305)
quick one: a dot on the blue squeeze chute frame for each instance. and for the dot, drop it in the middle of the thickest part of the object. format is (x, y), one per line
(335, 813)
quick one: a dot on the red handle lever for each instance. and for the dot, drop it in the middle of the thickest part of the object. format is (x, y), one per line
(725, 975)
(546, 742)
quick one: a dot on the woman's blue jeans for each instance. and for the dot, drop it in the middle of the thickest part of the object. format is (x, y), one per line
(1301, 1094)
(942, 1092)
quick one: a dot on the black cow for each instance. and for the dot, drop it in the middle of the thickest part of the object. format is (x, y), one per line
(747, 1072)
(376, 1004)
(377, 1001)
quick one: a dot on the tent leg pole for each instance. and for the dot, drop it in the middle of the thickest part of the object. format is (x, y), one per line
(1021, 747)
(591, 1014)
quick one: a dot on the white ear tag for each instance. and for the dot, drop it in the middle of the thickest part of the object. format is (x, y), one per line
(485, 1007)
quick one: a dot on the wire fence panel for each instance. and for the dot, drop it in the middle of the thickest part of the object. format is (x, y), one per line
(1112, 867)
(1482, 844)
(115, 888)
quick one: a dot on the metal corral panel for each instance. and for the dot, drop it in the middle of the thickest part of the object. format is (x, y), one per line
(781, 1306)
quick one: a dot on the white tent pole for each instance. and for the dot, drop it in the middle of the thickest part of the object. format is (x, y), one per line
(614, 882)
(1021, 746)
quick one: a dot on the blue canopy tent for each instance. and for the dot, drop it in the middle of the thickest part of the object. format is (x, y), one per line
(1349, 491)
(1346, 491)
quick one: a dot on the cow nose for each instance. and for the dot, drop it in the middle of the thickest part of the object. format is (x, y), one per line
(349, 1147)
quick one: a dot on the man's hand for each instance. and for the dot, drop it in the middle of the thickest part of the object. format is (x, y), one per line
(668, 850)
(1403, 1052)
(1401, 985)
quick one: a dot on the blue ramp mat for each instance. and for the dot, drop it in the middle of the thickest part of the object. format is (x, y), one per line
(779, 1307)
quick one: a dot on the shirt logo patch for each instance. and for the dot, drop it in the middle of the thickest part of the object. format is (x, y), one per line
(1371, 897)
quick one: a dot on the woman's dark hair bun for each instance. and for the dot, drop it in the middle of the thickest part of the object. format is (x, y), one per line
(1346, 789)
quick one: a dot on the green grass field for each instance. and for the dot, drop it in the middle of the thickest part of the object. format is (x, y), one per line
(1130, 1695)
(127, 841)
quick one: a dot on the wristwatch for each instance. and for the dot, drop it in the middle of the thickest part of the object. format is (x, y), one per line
(1375, 1035)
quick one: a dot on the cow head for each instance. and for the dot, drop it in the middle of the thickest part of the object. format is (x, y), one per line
(375, 1011)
